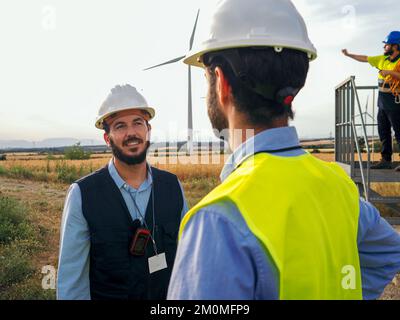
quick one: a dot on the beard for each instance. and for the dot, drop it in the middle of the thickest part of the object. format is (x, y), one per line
(129, 159)
(389, 52)
(218, 120)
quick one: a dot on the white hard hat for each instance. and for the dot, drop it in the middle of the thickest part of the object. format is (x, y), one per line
(254, 23)
(122, 98)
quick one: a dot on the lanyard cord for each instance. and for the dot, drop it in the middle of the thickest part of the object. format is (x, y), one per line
(279, 150)
(268, 151)
(153, 232)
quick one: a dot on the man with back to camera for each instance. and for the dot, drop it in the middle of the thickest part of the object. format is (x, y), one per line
(282, 224)
(388, 65)
(120, 224)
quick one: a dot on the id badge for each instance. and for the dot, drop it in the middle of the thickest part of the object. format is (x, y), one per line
(157, 263)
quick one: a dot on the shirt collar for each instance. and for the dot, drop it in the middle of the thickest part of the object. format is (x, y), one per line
(122, 184)
(272, 139)
(394, 60)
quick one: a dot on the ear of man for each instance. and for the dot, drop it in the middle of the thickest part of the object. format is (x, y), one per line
(148, 131)
(106, 138)
(223, 88)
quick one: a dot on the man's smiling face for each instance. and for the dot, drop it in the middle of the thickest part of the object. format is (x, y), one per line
(129, 136)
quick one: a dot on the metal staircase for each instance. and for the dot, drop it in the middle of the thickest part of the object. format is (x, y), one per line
(350, 119)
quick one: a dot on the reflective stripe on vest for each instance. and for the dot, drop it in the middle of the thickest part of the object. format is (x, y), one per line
(305, 214)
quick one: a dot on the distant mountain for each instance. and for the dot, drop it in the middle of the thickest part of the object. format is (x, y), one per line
(8, 144)
(48, 143)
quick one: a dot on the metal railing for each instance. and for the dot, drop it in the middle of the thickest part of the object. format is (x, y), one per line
(349, 117)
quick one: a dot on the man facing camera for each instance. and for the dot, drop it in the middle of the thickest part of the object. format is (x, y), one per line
(120, 224)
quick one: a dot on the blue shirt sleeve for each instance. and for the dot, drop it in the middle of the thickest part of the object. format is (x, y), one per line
(185, 207)
(219, 259)
(73, 267)
(379, 251)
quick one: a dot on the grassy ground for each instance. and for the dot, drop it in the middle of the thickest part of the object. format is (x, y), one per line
(22, 243)
(29, 234)
(40, 194)
(197, 179)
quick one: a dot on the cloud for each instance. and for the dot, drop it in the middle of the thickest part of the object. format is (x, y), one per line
(331, 9)
(343, 21)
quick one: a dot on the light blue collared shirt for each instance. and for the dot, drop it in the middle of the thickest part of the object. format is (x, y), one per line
(73, 268)
(219, 258)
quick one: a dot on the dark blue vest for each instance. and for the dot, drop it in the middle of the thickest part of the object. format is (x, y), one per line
(114, 273)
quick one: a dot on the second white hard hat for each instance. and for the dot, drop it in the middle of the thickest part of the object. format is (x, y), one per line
(122, 98)
(254, 23)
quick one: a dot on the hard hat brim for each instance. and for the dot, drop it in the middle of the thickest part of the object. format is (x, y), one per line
(194, 56)
(389, 42)
(99, 122)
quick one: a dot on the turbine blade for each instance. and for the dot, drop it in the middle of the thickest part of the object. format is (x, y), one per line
(194, 30)
(165, 63)
(366, 105)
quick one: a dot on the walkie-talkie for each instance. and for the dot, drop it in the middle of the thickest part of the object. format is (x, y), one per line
(139, 240)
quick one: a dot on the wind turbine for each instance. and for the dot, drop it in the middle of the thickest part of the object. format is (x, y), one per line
(365, 115)
(190, 113)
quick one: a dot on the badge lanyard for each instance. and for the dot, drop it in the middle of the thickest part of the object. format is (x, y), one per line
(267, 151)
(152, 234)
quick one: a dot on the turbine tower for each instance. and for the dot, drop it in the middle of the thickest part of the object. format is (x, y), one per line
(190, 103)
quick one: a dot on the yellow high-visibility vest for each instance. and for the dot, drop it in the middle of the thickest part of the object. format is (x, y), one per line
(304, 212)
(382, 63)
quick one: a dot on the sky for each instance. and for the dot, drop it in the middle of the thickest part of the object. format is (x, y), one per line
(60, 59)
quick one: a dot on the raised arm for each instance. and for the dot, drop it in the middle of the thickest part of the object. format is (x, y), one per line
(360, 58)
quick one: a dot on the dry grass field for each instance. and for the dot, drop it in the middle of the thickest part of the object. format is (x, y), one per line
(196, 178)
(40, 185)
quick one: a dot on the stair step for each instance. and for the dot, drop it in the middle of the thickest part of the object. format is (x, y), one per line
(394, 200)
(377, 176)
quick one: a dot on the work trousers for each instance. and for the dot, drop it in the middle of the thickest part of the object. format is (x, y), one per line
(388, 119)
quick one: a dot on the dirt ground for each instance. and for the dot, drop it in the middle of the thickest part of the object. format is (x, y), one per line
(45, 202)
(392, 291)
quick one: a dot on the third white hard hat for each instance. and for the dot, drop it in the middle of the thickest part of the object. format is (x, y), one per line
(254, 23)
